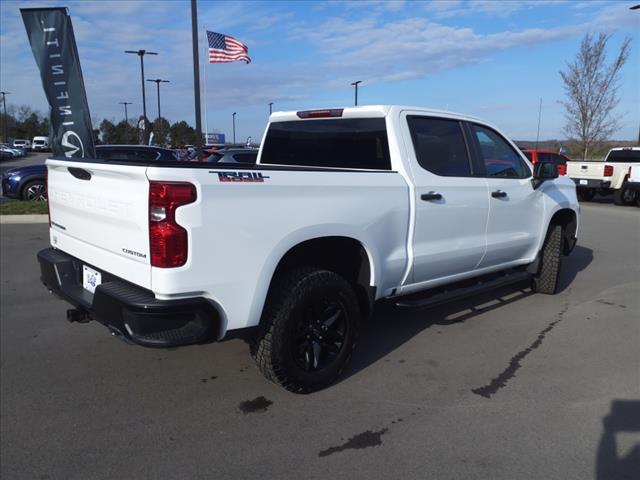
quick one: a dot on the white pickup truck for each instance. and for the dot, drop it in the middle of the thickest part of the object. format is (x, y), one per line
(607, 177)
(344, 207)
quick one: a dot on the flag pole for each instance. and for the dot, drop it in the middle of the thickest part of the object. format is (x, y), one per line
(204, 76)
(196, 72)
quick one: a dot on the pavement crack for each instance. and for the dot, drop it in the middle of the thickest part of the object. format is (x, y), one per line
(515, 364)
(362, 440)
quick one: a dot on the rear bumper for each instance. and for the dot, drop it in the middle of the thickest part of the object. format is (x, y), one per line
(130, 312)
(591, 183)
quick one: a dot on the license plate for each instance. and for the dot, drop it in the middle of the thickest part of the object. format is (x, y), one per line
(90, 278)
(583, 182)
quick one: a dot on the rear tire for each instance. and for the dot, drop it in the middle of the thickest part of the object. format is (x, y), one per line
(623, 196)
(546, 280)
(308, 330)
(586, 195)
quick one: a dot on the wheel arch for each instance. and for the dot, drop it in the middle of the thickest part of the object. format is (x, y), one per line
(568, 219)
(344, 255)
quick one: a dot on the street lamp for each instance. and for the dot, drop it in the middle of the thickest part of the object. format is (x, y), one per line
(126, 116)
(141, 54)
(4, 105)
(234, 127)
(270, 105)
(158, 81)
(355, 84)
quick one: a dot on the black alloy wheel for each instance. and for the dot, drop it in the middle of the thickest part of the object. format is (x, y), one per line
(320, 335)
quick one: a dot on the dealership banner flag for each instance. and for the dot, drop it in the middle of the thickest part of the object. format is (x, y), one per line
(54, 47)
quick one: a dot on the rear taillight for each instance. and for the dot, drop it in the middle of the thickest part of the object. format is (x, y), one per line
(168, 241)
(608, 170)
(562, 169)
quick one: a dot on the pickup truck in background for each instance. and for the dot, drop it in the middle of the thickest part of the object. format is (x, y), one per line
(607, 177)
(343, 207)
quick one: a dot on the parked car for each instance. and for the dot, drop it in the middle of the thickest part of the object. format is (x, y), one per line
(559, 159)
(16, 152)
(343, 207)
(40, 144)
(29, 182)
(234, 155)
(6, 154)
(25, 144)
(607, 177)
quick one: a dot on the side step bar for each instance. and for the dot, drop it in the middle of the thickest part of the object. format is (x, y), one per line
(456, 294)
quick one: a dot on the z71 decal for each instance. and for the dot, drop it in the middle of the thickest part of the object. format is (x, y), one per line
(251, 177)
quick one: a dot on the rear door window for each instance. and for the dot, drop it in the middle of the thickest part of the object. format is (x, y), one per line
(339, 143)
(439, 146)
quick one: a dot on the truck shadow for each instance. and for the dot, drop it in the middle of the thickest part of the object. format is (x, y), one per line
(391, 327)
(611, 462)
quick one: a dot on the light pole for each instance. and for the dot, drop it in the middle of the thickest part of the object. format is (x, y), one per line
(355, 84)
(141, 54)
(4, 106)
(234, 127)
(270, 105)
(158, 81)
(634, 7)
(126, 116)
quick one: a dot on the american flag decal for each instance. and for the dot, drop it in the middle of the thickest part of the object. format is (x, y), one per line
(224, 48)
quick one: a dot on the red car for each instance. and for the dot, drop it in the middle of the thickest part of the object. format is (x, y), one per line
(548, 156)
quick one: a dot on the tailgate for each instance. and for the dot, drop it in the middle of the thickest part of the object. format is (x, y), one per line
(593, 170)
(99, 214)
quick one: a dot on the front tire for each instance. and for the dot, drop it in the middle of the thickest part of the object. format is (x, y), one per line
(35, 190)
(308, 330)
(546, 279)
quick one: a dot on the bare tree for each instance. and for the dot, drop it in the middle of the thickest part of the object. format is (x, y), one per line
(591, 87)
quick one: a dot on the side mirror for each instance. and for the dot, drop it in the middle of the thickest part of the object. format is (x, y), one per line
(543, 171)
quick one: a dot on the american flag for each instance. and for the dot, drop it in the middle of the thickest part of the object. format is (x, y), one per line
(224, 48)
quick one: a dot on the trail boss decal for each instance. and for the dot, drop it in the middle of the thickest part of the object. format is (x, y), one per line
(246, 177)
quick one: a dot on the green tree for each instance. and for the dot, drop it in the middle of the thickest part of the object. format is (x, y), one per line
(108, 132)
(125, 133)
(182, 134)
(160, 129)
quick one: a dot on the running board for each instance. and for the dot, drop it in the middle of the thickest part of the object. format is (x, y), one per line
(456, 294)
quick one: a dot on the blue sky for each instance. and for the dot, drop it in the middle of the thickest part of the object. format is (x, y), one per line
(494, 60)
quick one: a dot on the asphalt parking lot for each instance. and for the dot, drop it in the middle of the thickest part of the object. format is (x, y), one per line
(508, 385)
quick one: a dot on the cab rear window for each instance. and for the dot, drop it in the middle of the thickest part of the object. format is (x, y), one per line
(624, 156)
(337, 143)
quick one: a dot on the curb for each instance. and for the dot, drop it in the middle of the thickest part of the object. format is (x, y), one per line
(22, 219)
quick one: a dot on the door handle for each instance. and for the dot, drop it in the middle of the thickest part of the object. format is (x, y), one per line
(427, 197)
(498, 194)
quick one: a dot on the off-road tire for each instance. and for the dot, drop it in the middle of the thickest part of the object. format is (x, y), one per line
(546, 279)
(586, 194)
(288, 297)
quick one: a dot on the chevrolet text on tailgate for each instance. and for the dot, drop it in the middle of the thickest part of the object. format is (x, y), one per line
(344, 207)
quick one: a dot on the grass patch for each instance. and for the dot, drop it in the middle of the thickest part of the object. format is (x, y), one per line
(23, 208)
